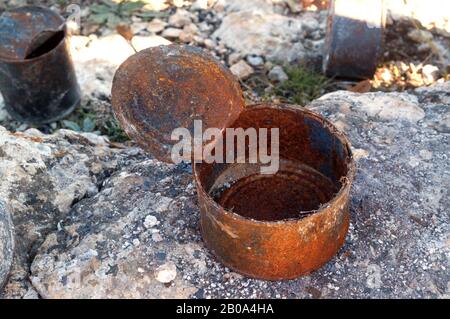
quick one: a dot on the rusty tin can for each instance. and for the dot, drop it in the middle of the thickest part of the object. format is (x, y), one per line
(354, 38)
(269, 226)
(37, 77)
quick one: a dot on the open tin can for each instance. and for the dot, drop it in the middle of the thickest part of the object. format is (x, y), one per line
(269, 226)
(37, 77)
(354, 38)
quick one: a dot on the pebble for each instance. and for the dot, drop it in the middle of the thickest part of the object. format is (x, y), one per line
(420, 36)
(430, 73)
(156, 26)
(242, 70)
(166, 272)
(255, 60)
(210, 44)
(150, 221)
(172, 33)
(180, 18)
(157, 238)
(277, 74)
(144, 42)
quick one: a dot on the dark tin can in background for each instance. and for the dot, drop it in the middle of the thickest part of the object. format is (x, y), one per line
(37, 77)
(354, 38)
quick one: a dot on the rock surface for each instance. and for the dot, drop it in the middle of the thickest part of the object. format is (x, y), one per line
(268, 34)
(92, 220)
(6, 243)
(103, 222)
(42, 177)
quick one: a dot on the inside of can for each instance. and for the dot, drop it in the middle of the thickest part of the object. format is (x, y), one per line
(314, 160)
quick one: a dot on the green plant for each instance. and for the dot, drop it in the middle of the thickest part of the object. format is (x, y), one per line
(86, 125)
(303, 85)
(112, 13)
(114, 131)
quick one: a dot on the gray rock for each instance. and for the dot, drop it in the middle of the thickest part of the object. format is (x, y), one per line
(144, 42)
(156, 25)
(271, 35)
(277, 74)
(241, 70)
(94, 221)
(6, 243)
(180, 18)
(255, 60)
(172, 33)
(43, 176)
(109, 245)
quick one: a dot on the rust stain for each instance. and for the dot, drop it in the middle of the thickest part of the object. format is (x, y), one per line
(289, 223)
(277, 226)
(166, 87)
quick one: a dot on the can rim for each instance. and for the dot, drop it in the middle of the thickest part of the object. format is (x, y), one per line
(345, 187)
(12, 60)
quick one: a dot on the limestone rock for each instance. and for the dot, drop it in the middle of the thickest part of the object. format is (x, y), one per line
(397, 245)
(42, 177)
(277, 74)
(241, 70)
(180, 18)
(271, 35)
(6, 244)
(144, 42)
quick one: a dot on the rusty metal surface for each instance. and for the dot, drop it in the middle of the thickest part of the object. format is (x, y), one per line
(19, 26)
(284, 225)
(354, 38)
(6, 243)
(166, 87)
(40, 88)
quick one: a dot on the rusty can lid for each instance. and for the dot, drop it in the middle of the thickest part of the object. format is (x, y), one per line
(163, 88)
(19, 26)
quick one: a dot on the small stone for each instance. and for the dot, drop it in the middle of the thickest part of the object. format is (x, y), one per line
(430, 74)
(241, 70)
(136, 242)
(277, 74)
(157, 238)
(143, 42)
(6, 243)
(156, 26)
(166, 273)
(198, 39)
(186, 37)
(255, 60)
(150, 221)
(188, 33)
(191, 28)
(180, 18)
(200, 5)
(210, 44)
(139, 27)
(426, 154)
(172, 33)
(420, 36)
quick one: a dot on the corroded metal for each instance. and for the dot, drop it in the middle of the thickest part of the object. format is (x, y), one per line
(37, 77)
(354, 38)
(6, 243)
(276, 226)
(287, 224)
(167, 87)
